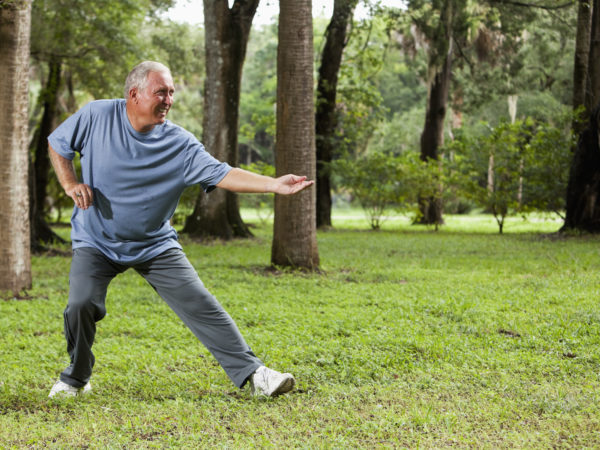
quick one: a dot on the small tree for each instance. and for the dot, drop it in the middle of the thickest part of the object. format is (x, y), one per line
(375, 181)
(547, 163)
(382, 182)
(498, 193)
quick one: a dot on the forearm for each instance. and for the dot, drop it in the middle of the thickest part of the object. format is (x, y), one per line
(65, 171)
(239, 180)
(81, 194)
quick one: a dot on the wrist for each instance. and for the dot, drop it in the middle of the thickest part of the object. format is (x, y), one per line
(269, 185)
(69, 186)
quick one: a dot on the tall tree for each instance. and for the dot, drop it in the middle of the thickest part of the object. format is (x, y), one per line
(15, 20)
(226, 37)
(440, 35)
(39, 169)
(331, 58)
(582, 52)
(583, 190)
(294, 231)
(592, 93)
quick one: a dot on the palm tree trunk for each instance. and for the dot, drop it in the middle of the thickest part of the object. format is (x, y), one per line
(15, 270)
(294, 230)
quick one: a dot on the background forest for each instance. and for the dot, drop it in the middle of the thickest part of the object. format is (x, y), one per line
(507, 121)
(440, 115)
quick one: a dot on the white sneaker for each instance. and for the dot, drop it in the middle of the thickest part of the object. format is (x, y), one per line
(62, 389)
(269, 383)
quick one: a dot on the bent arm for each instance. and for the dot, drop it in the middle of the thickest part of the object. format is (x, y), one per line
(239, 180)
(65, 172)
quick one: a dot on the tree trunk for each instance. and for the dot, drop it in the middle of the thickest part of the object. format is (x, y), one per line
(15, 270)
(41, 232)
(432, 138)
(583, 189)
(582, 51)
(294, 230)
(326, 94)
(592, 97)
(226, 37)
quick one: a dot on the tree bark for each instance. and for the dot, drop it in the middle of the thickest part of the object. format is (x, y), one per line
(583, 190)
(217, 215)
(326, 104)
(592, 93)
(15, 270)
(41, 232)
(432, 138)
(294, 231)
(582, 51)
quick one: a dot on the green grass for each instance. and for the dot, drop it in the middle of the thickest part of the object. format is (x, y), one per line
(408, 338)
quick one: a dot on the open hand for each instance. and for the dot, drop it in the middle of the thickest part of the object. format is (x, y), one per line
(290, 184)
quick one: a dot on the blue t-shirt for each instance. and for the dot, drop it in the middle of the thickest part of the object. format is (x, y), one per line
(137, 179)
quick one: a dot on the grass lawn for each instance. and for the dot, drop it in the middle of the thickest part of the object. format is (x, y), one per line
(408, 338)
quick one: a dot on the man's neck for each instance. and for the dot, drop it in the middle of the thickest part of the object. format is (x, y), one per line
(131, 115)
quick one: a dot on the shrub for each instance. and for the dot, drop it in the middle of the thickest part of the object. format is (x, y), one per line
(374, 180)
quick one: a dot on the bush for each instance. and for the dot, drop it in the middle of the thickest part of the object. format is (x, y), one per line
(374, 181)
(515, 168)
(382, 182)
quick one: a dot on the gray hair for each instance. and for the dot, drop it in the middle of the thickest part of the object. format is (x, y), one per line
(138, 76)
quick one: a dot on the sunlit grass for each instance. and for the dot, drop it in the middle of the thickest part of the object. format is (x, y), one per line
(407, 338)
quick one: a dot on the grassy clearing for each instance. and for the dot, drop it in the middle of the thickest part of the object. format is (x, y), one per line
(410, 338)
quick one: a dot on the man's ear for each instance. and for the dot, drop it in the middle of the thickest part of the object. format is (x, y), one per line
(133, 94)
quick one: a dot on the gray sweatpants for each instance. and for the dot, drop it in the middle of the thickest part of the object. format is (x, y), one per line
(176, 281)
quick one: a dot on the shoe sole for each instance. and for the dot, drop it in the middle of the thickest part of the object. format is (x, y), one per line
(66, 394)
(286, 385)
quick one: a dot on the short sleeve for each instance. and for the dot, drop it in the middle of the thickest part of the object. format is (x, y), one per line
(202, 168)
(71, 135)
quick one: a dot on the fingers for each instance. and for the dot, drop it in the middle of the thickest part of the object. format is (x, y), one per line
(297, 179)
(82, 195)
(303, 185)
(292, 184)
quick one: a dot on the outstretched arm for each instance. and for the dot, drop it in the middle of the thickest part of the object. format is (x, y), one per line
(239, 180)
(80, 193)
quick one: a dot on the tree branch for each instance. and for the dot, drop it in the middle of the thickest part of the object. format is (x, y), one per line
(534, 5)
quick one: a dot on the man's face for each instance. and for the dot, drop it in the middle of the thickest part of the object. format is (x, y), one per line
(154, 101)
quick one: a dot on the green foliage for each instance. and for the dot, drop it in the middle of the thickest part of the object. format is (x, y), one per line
(405, 340)
(181, 48)
(400, 133)
(494, 181)
(259, 90)
(360, 108)
(383, 182)
(97, 41)
(375, 180)
(511, 49)
(547, 162)
(516, 167)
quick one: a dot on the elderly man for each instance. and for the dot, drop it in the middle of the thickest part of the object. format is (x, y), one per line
(135, 164)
